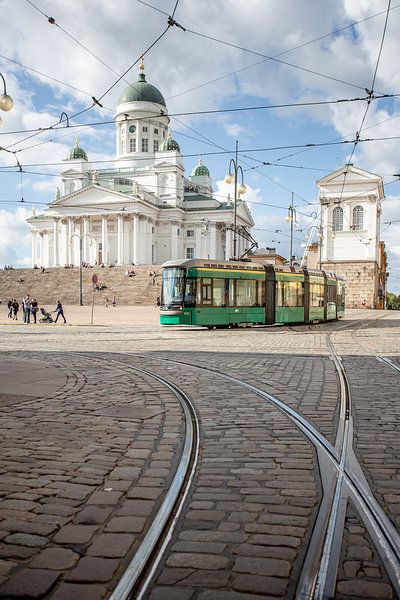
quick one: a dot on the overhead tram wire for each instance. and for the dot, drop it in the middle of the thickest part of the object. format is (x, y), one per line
(96, 101)
(298, 47)
(207, 112)
(52, 21)
(370, 93)
(271, 58)
(222, 152)
(64, 83)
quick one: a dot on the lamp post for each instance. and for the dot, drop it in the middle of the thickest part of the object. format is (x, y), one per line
(81, 238)
(232, 177)
(291, 218)
(6, 102)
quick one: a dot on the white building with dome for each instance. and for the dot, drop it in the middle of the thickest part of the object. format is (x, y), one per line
(142, 211)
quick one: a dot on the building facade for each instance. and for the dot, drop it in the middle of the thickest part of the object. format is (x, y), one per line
(144, 210)
(349, 236)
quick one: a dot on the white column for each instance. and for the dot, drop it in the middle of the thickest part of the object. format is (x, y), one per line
(70, 252)
(34, 237)
(56, 243)
(150, 242)
(136, 239)
(85, 249)
(65, 241)
(120, 239)
(104, 239)
(41, 248)
(213, 241)
(228, 244)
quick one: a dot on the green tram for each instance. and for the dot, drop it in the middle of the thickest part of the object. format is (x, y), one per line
(225, 294)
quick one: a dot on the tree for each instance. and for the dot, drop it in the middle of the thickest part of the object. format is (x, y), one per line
(392, 301)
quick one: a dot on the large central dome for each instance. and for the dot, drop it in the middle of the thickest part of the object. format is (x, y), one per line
(141, 91)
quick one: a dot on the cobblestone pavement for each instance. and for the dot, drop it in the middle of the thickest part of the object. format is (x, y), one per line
(89, 448)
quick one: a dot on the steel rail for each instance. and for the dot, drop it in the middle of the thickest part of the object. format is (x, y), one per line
(144, 563)
(384, 534)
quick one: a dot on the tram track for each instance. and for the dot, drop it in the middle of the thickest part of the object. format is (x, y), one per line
(343, 478)
(137, 576)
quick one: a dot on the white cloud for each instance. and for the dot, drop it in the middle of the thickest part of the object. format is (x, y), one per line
(223, 189)
(234, 129)
(15, 236)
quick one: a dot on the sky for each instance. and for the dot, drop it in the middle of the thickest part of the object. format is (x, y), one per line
(228, 56)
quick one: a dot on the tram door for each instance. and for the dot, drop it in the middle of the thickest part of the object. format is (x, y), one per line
(306, 296)
(269, 294)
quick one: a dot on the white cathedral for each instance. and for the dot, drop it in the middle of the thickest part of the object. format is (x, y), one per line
(142, 211)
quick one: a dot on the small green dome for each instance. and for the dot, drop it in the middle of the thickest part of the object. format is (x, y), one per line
(77, 152)
(169, 144)
(141, 91)
(200, 169)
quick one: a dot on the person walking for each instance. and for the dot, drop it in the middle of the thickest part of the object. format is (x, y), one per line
(59, 311)
(15, 309)
(114, 302)
(9, 305)
(34, 309)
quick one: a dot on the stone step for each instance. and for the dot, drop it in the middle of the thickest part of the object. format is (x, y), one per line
(63, 284)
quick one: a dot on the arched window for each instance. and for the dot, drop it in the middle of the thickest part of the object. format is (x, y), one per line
(358, 217)
(337, 219)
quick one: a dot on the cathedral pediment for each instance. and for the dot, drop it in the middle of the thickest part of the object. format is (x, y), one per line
(93, 195)
(352, 175)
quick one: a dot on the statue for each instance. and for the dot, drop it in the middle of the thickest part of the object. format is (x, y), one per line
(58, 194)
(95, 176)
(135, 187)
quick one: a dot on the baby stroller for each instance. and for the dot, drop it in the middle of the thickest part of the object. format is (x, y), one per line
(47, 318)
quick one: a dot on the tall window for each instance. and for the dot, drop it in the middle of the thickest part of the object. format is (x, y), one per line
(155, 145)
(132, 145)
(190, 233)
(189, 253)
(358, 217)
(337, 219)
(145, 145)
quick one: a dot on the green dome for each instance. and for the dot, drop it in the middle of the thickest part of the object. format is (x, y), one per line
(141, 91)
(77, 152)
(200, 169)
(169, 144)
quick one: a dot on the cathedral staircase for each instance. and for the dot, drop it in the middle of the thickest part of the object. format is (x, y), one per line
(63, 284)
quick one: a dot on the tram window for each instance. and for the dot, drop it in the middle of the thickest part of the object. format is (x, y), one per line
(332, 293)
(290, 293)
(260, 293)
(190, 292)
(231, 292)
(245, 292)
(206, 288)
(317, 294)
(219, 292)
(172, 287)
(341, 294)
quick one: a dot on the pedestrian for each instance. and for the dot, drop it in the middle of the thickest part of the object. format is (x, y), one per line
(9, 305)
(34, 309)
(114, 302)
(158, 301)
(59, 311)
(26, 306)
(15, 308)
(106, 302)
